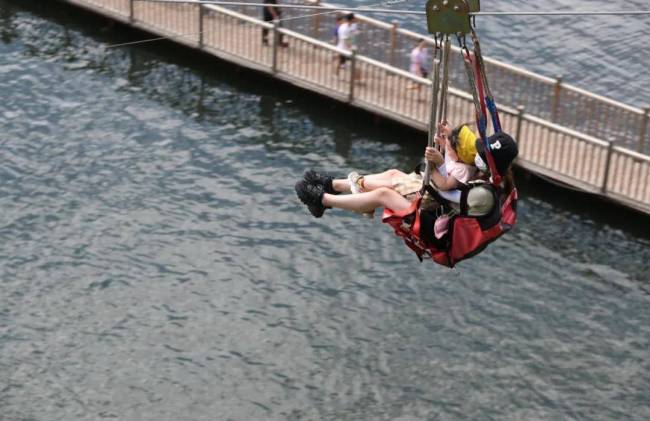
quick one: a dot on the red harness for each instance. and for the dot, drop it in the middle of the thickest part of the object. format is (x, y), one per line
(468, 235)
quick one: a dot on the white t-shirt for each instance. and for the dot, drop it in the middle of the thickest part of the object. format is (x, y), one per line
(460, 171)
(346, 32)
(451, 195)
(479, 199)
(419, 58)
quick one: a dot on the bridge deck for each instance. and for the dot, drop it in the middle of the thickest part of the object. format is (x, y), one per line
(546, 148)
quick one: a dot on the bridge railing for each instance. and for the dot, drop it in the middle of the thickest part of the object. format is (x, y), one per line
(178, 20)
(547, 98)
(312, 62)
(392, 90)
(118, 7)
(548, 148)
(625, 166)
(544, 97)
(236, 34)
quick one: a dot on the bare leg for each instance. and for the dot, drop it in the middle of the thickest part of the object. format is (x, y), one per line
(368, 201)
(384, 179)
(341, 185)
(370, 181)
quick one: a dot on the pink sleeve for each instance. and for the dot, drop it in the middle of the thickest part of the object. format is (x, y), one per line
(461, 172)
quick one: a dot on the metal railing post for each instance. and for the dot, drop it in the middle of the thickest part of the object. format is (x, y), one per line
(201, 11)
(274, 63)
(131, 11)
(520, 120)
(353, 65)
(393, 42)
(608, 163)
(555, 107)
(643, 132)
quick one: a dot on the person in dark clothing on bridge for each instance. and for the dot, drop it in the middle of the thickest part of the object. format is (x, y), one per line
(271, 14)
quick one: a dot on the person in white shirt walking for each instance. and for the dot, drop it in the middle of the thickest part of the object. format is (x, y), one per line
(345, 37)
(419, 59)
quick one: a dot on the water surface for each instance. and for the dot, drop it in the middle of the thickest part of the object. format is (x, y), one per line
(155, 264)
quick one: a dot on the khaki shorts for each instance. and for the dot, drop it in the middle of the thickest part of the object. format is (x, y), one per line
(408, 185)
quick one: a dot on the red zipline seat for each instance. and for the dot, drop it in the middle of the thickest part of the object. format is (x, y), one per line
(468, 235)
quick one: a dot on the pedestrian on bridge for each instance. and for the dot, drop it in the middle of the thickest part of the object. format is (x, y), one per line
(419, 59)
(272, 14)
(346, 33)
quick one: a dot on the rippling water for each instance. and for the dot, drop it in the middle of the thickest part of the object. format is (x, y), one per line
(154, 263)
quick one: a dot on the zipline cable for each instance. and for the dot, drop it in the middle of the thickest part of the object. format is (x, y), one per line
(370, 9)
(143, 41)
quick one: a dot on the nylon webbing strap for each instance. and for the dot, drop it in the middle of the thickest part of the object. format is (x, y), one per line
(489, 98)
(496, 177)
(474, 78)
(464, 207)
(479, 59)
(467, 60)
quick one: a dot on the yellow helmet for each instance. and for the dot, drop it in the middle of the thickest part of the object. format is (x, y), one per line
(466, 145)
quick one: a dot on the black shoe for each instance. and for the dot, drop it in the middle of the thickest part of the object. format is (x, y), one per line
(312, 196)
(312, 177)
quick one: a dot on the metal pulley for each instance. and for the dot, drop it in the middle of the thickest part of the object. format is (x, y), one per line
(450, 16)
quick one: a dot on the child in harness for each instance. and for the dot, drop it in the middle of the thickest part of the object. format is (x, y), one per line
(396, 191)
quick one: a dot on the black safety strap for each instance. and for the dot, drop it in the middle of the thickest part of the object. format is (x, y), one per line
(464, 208)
